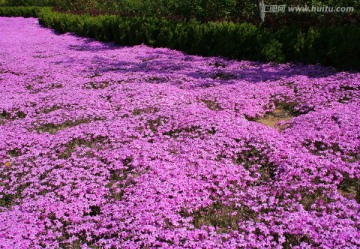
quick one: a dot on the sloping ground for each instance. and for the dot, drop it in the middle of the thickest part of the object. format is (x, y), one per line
(135, 147)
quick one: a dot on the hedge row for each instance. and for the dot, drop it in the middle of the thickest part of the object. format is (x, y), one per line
(21, 11)
(204, 10)
(336, 46)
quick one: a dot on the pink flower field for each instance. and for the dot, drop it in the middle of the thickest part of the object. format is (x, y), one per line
(136, 147)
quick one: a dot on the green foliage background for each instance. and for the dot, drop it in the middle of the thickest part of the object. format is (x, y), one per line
(202, 10)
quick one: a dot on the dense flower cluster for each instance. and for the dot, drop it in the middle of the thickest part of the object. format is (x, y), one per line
(136, 147)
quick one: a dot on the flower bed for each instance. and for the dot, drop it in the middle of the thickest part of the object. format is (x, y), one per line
(135, 147)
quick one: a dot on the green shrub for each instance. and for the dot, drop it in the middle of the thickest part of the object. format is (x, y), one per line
(30, 2)
(19, 11)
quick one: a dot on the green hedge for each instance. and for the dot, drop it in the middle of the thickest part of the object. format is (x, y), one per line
(21, 11)
(30, 2)
(203, 10)
(336, 46)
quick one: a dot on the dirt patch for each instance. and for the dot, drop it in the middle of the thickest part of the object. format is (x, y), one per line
(350, 188)
(51, 109)
(11, 116)
(320, 148)
(256, 162)
(147, 110)
(223, 217)
(293, 239)
(212, 104)
(96, 85)
(154, 124)
(223, 76)
(157, 79)
(71, 146)
(53, 128)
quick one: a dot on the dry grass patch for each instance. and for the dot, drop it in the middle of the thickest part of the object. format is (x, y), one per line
(283, 112)
(272, 119)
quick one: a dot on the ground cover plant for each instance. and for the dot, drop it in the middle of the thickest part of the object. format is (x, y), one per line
(136, 147)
